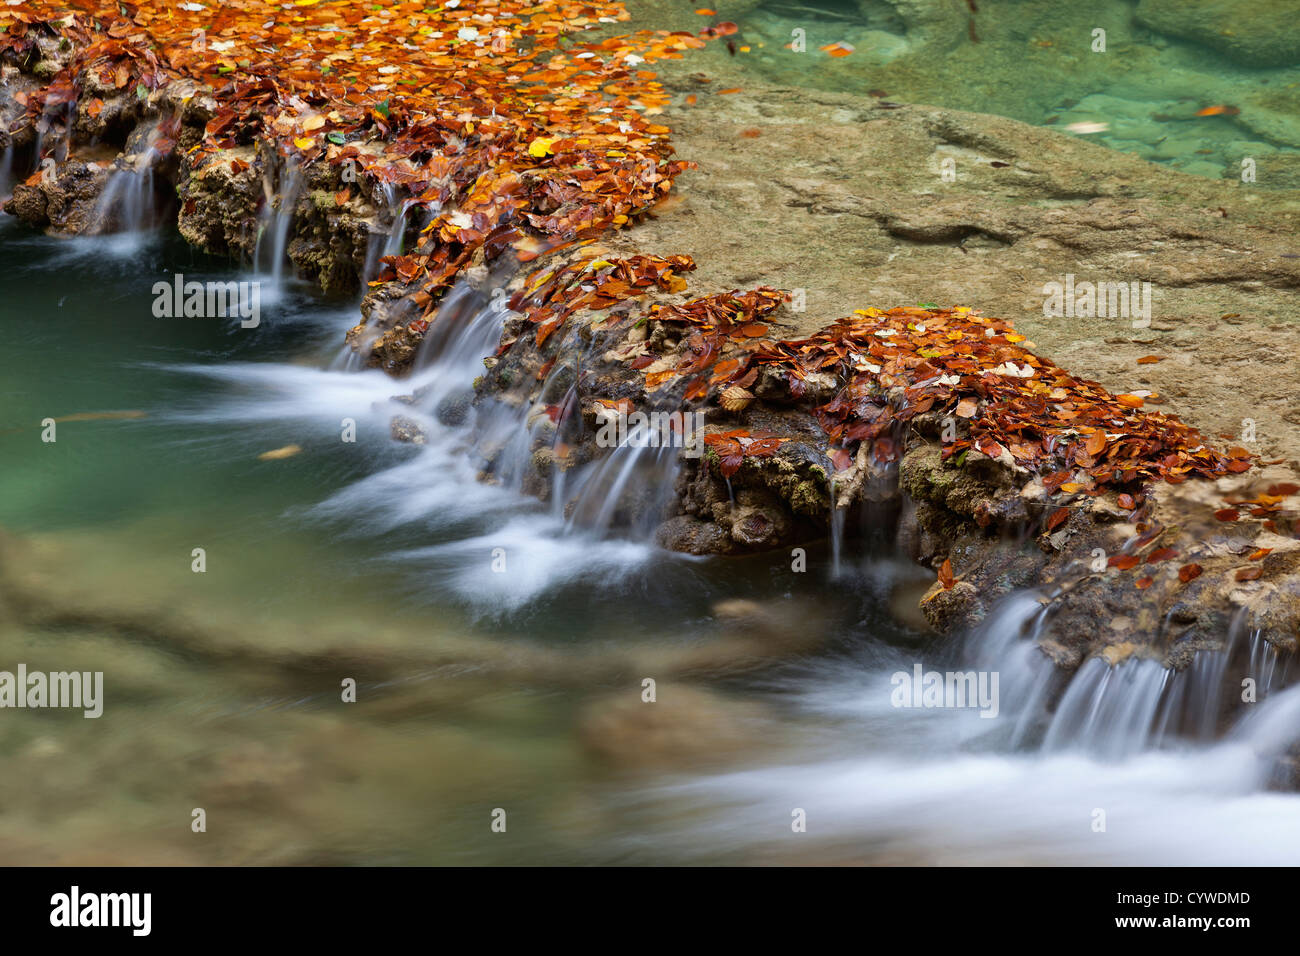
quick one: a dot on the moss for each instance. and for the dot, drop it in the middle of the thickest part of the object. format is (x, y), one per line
(809, 498)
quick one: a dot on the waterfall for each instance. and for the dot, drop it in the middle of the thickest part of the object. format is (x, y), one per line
(1110, 710)
(392, 241)
(836, 532)
(271, 251)
(127, 203)
(7, 172)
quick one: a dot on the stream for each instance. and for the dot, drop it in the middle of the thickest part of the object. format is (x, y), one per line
(500, 645)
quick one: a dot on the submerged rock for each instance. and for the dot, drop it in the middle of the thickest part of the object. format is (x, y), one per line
(1251, 32)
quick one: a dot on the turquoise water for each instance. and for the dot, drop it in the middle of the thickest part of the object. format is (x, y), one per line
(1038, 61)
(366, 560)
(480, 692)
(522, 689)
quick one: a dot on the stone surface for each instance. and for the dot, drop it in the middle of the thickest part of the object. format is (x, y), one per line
(1251, 32)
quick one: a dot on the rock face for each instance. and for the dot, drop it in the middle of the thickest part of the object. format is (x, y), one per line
(1251, 32)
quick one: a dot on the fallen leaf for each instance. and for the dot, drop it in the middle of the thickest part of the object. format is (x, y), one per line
(276, 454)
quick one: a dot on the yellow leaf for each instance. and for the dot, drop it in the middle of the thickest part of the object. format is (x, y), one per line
(277, 454)
(541, 146)
(304, 142)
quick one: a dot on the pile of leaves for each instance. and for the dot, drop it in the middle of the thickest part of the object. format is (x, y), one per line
(1072, 432)
(550, 296)
(488, 113)
(891, 366)
(509, 133)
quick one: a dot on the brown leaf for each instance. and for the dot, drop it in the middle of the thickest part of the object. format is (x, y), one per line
(736, 399)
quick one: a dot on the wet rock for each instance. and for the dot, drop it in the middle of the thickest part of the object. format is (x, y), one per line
(1251, 32)
(685, 725)
(64, 200)
(407, 430)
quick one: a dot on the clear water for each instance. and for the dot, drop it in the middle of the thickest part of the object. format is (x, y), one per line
(521, 689)
(476, 690)
(1032, 60)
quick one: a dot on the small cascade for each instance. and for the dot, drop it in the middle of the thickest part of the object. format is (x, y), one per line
(397, 234)
(1118, 710)
(1110, 711)
(7, 178)
(128, 203)
(838, 515)
(1007, 642)
(392, 242)
(627, 490)
(1269, 668)
(271, 251)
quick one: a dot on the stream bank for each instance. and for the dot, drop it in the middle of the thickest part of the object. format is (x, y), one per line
(1026, 207)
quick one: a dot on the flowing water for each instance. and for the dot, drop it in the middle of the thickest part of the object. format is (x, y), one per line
(499, 644)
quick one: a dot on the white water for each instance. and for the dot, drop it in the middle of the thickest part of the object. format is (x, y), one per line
(1136, 742)
(271, 251)
(886, 784)
(391, 242)
(435, 485)
(127, 204)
